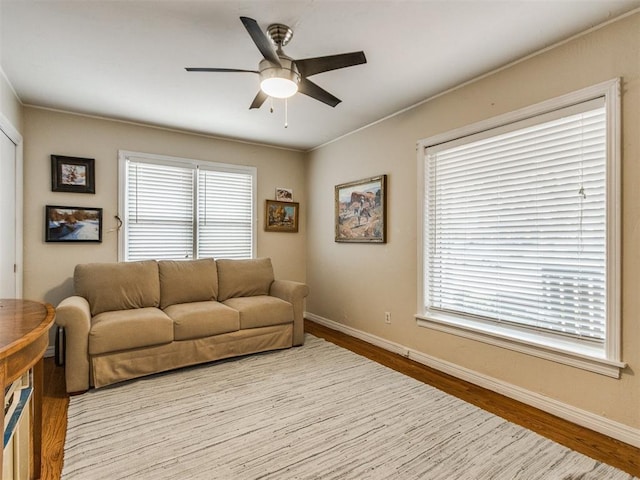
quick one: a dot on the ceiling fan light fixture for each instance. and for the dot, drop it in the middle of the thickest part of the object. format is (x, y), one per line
(279, 87)
(279, 82)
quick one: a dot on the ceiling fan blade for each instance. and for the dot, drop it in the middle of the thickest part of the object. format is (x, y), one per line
(314, 91)
(206, 69)
(312, 66)
(259, 100)
(261, 40)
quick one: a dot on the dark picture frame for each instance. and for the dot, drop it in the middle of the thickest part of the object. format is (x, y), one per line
(72, 174)
(281, 216)
(361, 211)
(73, 224)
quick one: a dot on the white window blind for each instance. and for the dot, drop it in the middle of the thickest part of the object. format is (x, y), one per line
(159, 211)
(516, 225)
(178, 209)
(225, 214)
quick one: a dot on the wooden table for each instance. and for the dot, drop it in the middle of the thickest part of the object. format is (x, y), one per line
(24, 337)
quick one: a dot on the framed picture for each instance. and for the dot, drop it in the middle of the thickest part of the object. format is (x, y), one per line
(72, 174)
(281, 216)
(361, 211)
(284, 194)
(73, 224)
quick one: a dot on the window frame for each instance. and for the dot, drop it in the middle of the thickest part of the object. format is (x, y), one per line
(606, 360)
(180, 162)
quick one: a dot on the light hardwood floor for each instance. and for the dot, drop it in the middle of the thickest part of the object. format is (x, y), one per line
(595, 445)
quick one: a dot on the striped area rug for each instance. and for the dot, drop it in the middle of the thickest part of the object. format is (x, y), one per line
(314, 412)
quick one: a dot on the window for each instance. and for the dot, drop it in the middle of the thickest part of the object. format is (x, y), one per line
(519, 231)
(177, 208)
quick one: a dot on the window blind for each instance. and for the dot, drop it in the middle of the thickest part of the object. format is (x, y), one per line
(516, 224)
(179, 209)
(159, 211)
(225, 214)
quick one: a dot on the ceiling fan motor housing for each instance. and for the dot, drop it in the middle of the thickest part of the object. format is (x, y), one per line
(279, 34)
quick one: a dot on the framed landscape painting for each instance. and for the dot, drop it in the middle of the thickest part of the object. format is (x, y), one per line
(73, 224)
(72, 174)
(281, 216)
(361, 211)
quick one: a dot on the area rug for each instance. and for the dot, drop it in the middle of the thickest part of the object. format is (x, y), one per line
(314, 412)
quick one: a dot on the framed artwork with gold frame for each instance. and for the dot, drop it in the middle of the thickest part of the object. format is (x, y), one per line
(281, 216)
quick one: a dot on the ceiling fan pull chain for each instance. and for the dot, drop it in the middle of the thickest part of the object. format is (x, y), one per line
(286, 114)
(271, 107)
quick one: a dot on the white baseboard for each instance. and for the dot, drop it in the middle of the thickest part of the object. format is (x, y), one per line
(575, 415)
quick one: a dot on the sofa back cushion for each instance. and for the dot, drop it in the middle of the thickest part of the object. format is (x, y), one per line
(244, 278)
(187, 281)
(118, 286)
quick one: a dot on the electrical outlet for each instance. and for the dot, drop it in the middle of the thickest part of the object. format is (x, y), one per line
(387, 317)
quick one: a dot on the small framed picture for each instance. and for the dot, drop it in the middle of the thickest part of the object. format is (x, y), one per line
(72, 174)
(361, 211)
(281, 216)
(284, 194)
(73, 224)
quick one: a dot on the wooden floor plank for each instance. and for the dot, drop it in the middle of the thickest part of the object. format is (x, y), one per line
(55, 405)
(598, 446)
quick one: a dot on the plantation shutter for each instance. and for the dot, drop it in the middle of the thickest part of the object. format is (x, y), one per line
(225, 214)
(516, 224)
(159, 211)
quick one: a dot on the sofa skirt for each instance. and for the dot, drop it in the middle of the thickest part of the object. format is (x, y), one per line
(110, 368)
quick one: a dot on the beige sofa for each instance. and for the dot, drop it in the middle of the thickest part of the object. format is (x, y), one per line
(132, 319)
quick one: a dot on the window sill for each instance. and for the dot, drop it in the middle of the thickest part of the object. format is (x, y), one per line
(556, 350)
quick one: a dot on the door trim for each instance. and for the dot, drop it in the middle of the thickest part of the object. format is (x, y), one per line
(14, 135)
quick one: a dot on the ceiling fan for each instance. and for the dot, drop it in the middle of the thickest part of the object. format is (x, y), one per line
(282, 76)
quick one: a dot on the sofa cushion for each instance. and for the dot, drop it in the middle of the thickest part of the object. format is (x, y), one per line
(202, 319)
(187, 281)
(118, 286)
(126, 329)
(261, 311)
(244, 278)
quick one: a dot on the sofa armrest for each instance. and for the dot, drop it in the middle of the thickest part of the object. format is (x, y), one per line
(294, 293)
(74, 315)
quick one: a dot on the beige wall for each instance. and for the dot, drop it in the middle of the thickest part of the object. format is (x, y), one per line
(354, 284)
(49, 266)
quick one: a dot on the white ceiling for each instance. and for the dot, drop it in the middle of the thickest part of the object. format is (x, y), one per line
(126, 59)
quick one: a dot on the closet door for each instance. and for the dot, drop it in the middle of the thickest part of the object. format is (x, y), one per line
(7, 217)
